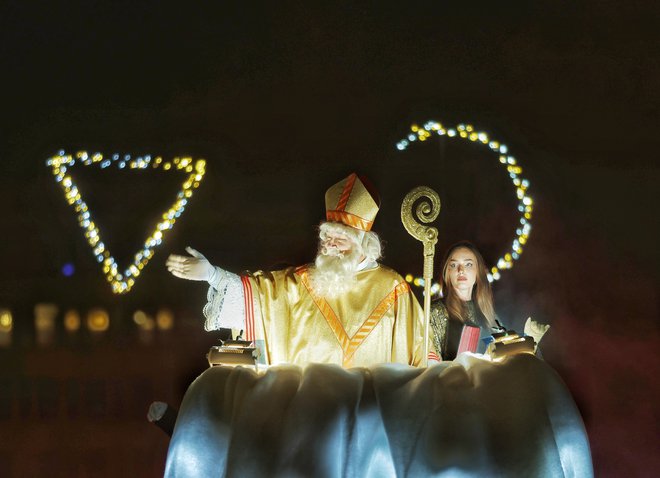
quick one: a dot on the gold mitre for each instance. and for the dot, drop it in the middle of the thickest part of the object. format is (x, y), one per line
(352, 201)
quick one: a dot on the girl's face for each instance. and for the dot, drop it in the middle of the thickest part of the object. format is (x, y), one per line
(462, 270)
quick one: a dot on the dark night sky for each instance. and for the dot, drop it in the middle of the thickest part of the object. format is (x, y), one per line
(284, 99)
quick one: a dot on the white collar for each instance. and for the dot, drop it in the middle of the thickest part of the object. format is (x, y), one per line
(366, 265)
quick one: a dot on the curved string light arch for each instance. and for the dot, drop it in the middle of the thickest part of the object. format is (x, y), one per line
(467, 132)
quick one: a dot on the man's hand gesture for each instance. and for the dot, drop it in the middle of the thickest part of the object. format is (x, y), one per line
(196, 267)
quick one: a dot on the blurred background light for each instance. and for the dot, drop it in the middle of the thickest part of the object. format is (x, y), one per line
(72, 320)
(68, 269)
(44, 323)
(6, 326)
(98, 320)
(164, 319)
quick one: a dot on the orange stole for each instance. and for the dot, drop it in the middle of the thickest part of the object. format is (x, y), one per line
(249, 308)
(349, 345)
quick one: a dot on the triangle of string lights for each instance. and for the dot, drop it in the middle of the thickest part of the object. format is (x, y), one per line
(122, 282)
(466, 132)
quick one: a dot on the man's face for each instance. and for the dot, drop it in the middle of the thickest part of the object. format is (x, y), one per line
(336, 244)
(335, 267)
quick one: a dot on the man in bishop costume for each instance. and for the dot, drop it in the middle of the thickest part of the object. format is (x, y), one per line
(345, 308)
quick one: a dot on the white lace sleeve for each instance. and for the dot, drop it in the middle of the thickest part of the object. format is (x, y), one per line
(225, 307)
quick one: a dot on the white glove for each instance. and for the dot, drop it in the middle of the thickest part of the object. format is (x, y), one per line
(535, 329)
(196, 267)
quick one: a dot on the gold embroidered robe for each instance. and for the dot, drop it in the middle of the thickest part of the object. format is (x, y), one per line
(379, 320)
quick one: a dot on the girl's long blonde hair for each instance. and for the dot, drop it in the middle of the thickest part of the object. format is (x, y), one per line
(482, 295)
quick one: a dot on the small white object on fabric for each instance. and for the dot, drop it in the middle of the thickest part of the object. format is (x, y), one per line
(226, 304)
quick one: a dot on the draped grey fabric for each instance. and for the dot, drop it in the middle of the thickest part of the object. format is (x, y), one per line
(469, 417)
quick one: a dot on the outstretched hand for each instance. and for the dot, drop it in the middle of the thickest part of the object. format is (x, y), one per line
(193, 267)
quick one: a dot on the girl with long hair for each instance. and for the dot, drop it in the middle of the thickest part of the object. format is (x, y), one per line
(465, 314)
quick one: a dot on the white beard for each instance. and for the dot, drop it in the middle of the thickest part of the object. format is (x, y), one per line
(334, 272)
